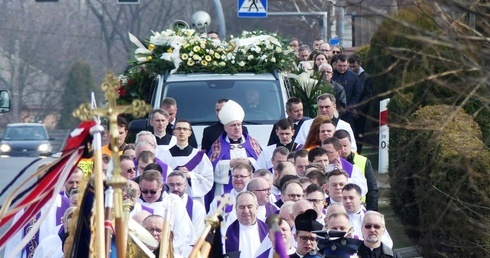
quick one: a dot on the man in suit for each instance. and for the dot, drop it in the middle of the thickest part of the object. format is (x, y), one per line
(294, 110)
(170, 105)
(212, 132)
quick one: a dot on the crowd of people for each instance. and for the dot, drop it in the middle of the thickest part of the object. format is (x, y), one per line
(310, 176)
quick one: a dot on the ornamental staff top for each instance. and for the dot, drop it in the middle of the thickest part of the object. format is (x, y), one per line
(138, 108)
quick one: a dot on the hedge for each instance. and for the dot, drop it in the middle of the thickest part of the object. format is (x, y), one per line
(440, 180)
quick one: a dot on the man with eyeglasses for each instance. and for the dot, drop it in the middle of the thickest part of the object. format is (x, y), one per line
(262, 190)
(131, 191)
(326, 49)
(195, 165)
(128, 169)
(241, 176)
(316, 196)
(151, 186)
(327, 106)
(232, 147)
(351, 199)
(339, 91)
(373, 229)
(305, 223)
(177, 184)
(291, 191)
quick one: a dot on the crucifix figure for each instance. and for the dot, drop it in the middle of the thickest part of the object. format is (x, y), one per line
(138, 108)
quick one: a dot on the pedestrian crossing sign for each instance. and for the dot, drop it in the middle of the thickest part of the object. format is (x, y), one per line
(252, 8)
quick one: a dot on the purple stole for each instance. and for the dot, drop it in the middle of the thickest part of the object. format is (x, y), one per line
(221, 149)
(232, 241)
(145, 208)
(31, 246)
(347, 166)
(192, 163)
(60, 211)
(300, 146)
(265, 254)
(227, 209)
(34, 242)
(270, 209)
(159, 162)
(189, 205)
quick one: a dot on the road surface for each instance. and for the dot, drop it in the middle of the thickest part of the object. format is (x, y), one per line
(9, 169)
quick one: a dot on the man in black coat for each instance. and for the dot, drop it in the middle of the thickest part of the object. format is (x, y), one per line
(350, 81)
(294, 110)
(373, 228)
(362, 109)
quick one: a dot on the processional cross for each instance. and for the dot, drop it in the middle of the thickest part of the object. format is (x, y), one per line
(138, 108)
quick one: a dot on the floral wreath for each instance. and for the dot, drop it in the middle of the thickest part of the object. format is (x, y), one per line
(186, 51)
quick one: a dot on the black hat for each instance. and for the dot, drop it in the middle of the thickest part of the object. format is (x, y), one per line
(307, 221)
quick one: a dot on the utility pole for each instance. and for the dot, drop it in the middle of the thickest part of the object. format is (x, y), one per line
(221, 19)
(16, 83)
(339, 12)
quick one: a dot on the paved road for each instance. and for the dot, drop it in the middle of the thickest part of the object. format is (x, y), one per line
(9, 169)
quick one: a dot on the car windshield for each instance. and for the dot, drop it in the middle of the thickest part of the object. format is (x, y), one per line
(260, 99)
(25, 133)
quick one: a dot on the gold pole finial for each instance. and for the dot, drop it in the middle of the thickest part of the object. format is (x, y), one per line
(138, 108)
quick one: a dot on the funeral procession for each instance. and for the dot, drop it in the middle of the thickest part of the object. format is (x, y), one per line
(244, 128)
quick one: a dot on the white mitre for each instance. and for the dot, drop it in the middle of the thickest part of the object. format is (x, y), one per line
(231, 112)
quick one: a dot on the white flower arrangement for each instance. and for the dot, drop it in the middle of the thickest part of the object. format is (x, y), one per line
(185, 51)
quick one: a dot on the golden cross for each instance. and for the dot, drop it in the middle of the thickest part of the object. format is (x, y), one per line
(138, 108)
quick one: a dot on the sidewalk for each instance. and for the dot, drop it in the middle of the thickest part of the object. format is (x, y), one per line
(402, 244)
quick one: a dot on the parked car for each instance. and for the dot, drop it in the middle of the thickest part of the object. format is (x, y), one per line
(26, 139)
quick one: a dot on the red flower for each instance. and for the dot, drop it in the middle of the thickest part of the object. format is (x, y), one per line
(121, 91)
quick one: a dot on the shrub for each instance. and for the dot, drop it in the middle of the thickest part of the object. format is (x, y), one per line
(440, 178)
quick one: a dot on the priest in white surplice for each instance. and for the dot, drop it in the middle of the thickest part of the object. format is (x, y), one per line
(192, 162)
(151, 187)
(247, 232)
(233, 146)
(177, 184)
(50, 245)
(285, 132)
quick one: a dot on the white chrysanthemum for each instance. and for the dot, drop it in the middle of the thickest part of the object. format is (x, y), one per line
(250, 57)
(241, 63)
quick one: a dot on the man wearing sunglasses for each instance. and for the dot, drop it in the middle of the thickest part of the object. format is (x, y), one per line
(151, 187)
(373, 229)
(351, 199)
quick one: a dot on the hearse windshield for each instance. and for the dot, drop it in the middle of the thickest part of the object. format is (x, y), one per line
(196, 100)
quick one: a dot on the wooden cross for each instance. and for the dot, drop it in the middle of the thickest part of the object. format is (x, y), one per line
(138, 108)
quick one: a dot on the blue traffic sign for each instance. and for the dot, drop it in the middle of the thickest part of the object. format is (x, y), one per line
(252, 8)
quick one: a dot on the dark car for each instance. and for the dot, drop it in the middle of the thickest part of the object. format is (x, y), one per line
(26, 139)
